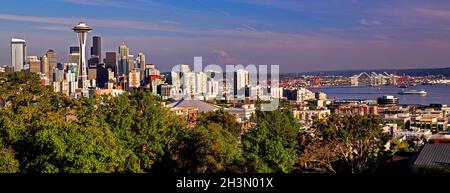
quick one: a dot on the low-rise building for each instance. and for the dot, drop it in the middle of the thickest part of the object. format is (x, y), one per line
(299, 95)
(431, 156)
(189, 108)
(243, 113)
(112, 92)
(387, 100)
(413, 133)
(440, 138)
(307, 116)
(434, 123)
(355, 109)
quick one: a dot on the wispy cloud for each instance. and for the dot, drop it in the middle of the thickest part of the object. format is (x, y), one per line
(171, 22)
(52, 20)
(248, 27)
(107, 23)
(51, 28)
(367, 22)
(364, 22)
(287, 4)
(112, 3)
(245, 32)
(435, 13)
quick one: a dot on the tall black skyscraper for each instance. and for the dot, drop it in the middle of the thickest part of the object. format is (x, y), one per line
(111, 60)
(96, 49)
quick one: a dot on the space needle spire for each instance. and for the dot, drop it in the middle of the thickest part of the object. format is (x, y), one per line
(82, 29)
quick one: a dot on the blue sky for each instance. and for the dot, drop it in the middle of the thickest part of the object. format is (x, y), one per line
(299, 35)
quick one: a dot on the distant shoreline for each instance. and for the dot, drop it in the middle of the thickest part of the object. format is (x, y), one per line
(411, 72)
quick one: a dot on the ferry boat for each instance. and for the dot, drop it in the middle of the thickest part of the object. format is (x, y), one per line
(416, 92)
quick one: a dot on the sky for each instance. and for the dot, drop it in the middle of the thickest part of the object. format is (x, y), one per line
(298, 35)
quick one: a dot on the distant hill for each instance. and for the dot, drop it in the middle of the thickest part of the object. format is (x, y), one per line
(411, 72)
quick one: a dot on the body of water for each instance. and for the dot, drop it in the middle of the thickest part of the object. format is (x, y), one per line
(436, 93)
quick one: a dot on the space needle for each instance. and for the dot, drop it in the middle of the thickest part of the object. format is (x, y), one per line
(82, 29)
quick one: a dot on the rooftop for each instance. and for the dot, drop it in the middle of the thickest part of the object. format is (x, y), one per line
(441, 137)
(193, 103)
(17, 40)
(433, 155)
(388, 97)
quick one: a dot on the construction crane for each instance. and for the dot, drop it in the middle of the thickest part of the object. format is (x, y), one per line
(316, 81)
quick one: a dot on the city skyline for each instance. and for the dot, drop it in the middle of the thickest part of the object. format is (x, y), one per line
(304, 36)
(235, 87)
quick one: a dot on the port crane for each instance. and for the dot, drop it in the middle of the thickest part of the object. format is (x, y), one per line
(374, 78)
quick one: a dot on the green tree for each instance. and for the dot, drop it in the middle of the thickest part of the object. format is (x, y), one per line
(271, 146)
(225, 120)
(51, 133)
(8, 163)
(143, 125)
(207, 148)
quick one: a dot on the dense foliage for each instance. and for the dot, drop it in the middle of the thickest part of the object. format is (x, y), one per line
(344, 144)
(44, 131)
(271, 146)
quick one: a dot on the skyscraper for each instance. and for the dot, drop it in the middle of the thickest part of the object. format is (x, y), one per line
(123, 59)
(241, 80)
(189, 83)
(44, 66)
(184, 68)
(74, 58)
(34, 63)
(74, 49)
(134, 79)
(102, 75)
(18, 53)
(140, 61)
(175, 80)
(96, 51)
(82, 29)
(92, 73)
(131, 64)
(51, 62)
(202, 82)
(212, 87)
(123, 50)
(96, 47)
(111, 61)
(74, 55)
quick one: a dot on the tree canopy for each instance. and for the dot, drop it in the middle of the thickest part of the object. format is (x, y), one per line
(272, 146)
(343, 144)
(44, 131)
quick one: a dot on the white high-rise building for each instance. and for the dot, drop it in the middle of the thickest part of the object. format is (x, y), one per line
(276, 92)
(255, 92)
(18, 53)
(184, 68)
(189, 83)
(175, 80)
(202, 79)
(212, 87)
(241, 80)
